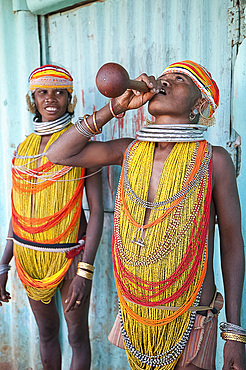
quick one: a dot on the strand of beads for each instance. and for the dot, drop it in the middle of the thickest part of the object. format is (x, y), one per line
(153, 205)
(167, 357)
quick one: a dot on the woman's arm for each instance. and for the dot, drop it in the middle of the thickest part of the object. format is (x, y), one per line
(73, 149)
(5, 260)
(227, 205)
(93, 186)
(80, 288)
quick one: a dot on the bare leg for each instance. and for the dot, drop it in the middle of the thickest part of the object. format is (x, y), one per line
(48, 322)
(78, 332)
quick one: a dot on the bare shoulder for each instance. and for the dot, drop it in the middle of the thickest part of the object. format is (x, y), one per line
(222, 162)
(220, 155)
(225, 193)
(224, 180)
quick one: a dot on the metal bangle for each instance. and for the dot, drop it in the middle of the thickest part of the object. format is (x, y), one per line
(82, 129)
(121, 115)
(98, 131)
(234, 337)
(232, 328)
(87, 266)
(87, 124)
(85, 274)
(4, 269)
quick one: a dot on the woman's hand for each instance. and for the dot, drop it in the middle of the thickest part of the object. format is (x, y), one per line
(79, 291)
(132, 99)
(4, 295)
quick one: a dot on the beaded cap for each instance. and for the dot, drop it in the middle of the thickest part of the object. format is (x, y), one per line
(201, 78)
(50, 76)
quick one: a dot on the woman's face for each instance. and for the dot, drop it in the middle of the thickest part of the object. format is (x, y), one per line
(177, 96)
(51, 103)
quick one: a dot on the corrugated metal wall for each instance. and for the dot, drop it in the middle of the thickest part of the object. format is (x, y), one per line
(19, 53)
(238, 121)
(143, 36)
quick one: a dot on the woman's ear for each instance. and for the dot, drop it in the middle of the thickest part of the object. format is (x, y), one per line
(30, 104)
(201, 105)
(71, 106)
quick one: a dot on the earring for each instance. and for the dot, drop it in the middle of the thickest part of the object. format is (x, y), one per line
(30, 105)
(193, 114)
(206, 121)
(71, 106)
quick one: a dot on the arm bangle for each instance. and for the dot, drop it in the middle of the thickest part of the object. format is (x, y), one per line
(85, 274)
(87, 266)
(232, 328)
(4, 269)
(121, 115)
(95, 123)
(235, 337)
(87, 124)
(82, 129)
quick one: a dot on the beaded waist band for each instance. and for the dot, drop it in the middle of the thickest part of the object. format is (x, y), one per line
(62, 247)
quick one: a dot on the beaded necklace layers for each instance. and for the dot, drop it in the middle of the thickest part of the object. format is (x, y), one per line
(44, 222)
(164, 261)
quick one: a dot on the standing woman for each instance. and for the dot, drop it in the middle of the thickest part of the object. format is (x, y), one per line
(48, 224)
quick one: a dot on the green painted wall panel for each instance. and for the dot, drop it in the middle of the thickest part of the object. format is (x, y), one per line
(19, 5)
(42, 7)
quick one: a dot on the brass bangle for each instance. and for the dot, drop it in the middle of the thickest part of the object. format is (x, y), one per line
(87, 266)
(98, 131)
(85, 274)
(121, 115)
(87, 124)
(235, 337)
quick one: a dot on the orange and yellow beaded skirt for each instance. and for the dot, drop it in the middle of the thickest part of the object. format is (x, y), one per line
(46, 208)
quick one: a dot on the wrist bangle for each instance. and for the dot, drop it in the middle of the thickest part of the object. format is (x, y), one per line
(9, 238)
(85, 274)
(82, 129)
(4, 269)
(87, 266)
(227, 327)
(234, 337)
(87, 124)
(98, 131)
(121, 115)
